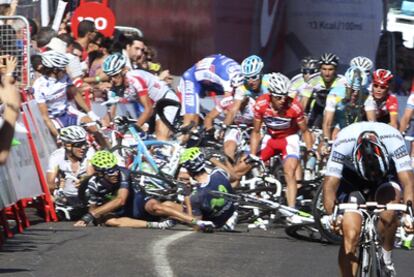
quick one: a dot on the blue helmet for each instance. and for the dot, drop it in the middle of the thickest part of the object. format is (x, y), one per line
(113, 64)
(252, 66)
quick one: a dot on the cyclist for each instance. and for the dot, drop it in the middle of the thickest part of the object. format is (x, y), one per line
(244, 115)
(321, 83)
(115, 201)
(405, 121)
(69, 166)
(344, 104)
(367, 159)
(381, 105)
(204, 205)
(213, 73)
(300, 83)
(283, 117)
(140, 85)
(50, 92)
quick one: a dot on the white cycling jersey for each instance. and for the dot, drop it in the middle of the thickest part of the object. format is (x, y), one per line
(141, 82)
(344, 144)
(52, 92)
(410, 102)
(59, 162)
(245, 116)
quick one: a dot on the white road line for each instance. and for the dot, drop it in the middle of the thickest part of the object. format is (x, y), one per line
(160, 254)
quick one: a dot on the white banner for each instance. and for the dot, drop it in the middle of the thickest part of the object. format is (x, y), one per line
(347, 28)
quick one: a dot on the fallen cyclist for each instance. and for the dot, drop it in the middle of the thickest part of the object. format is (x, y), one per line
(115, 201)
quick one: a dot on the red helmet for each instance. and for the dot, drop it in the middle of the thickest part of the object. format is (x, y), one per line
(382, 77)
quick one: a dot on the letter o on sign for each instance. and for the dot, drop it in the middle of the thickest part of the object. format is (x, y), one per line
(101, 15)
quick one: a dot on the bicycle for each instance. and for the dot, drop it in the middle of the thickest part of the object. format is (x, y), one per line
(369, 252)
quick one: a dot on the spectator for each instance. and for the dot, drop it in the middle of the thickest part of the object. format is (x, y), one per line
(10, 99)
(134, 51)
(86, 33)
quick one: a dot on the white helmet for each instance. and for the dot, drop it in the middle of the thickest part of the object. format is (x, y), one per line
(362, 62)
(54, 59)
(72, 134)
(252, 66)
(114, 64)
(237, 80)
(278, 84)
(356, 78)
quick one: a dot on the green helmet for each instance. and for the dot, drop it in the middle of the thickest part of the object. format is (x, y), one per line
(103, 160)
(193, 160)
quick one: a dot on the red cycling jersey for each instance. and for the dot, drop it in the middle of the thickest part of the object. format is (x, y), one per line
(279, 124)
(383, 109)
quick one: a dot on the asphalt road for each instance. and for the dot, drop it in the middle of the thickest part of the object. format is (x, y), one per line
(59, 249)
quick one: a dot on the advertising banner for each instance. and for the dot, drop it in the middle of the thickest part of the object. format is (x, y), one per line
(347, 28)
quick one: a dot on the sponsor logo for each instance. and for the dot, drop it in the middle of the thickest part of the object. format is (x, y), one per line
(390, 136)
(347, 140)
(337, 157)
(400, 152)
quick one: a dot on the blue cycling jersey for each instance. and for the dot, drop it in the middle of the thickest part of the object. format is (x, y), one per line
(217, 210)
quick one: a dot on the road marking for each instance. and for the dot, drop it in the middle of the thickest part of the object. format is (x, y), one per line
(160, 254)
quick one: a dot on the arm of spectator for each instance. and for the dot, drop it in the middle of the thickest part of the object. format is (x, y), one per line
(11, 100)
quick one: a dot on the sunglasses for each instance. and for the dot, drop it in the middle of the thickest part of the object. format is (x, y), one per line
(111, 172)
(278, 98)
(253, 78)
(80, 144)
(380, 86)
(308, 70)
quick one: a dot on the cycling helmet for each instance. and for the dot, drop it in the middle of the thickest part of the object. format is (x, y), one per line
(382, 77)
(54, 59)
(370, 157)
(72, 134)
(362, 62)
(252, 66)
(309, 65)
(104, 160)
(237, 80)
(278, 84)
(114, 64)
(329, 59)
(356, 78)
(193, 160)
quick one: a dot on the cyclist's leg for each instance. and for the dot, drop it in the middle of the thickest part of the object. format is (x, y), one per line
(156, 208)
(291, 153)
(231, 141)
(126, 222)
(190, 101)
(388, 223)
(161, 130)
(351, 229)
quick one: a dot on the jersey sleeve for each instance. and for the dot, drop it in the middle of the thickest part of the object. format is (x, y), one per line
(196, 204)
(54, 160)
(369, 104)
(37, 92)
(331, 101)
(396, 147)
(392, 104)
(410, 102)
(259, 108)
(341, 151)
(93, 192)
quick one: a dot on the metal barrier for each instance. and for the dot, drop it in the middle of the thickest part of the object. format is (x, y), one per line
(130, 31)
(15, 41)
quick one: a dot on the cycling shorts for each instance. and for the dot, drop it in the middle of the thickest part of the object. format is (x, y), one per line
(135, 207)
(70, 117)
(288, 146)
(190, 90)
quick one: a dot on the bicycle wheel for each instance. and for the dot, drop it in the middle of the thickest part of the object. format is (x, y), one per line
(369, 262)
(318, 211)
(304, 231)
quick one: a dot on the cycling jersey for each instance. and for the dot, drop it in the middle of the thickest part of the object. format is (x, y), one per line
(344, 144)
(383, 108)
(101, 191)
(59, 162)
(53, 93)
(245, 116)
(212, 73)
(346, 112)
(140, 82)
(299, 87)
(410, 102)
(279, 125)
(215, 209)
(243, 91)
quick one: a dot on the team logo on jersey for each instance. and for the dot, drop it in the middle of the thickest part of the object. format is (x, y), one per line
(400, 152)
(337, 157)
(277, 123)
